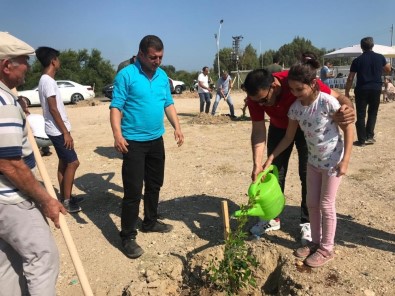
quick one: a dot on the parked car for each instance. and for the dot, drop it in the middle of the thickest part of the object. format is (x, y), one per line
(71, 92)
(107, 90)
(176, 87)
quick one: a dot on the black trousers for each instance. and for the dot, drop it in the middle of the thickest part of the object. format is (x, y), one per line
(143, 164)
(274, 137)
(370, 100)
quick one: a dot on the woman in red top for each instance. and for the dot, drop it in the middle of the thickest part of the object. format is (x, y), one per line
(270, 94)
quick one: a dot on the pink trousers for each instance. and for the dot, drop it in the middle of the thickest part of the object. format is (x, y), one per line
(321, 198)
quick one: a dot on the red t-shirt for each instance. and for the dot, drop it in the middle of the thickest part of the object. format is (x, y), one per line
(278, 113)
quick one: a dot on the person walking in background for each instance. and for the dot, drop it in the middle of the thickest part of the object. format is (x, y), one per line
(389, 90)
(269, 93)
(224, 86)
(58, 127)
(141, 98)
(204, 91)
(369, 67)
(326, 72)
(328, 158)
(275, 67)
(29, 258)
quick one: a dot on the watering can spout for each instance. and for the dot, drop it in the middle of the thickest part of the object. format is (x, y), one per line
(268, 201)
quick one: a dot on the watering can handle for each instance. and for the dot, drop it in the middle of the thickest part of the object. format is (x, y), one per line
(265, 172)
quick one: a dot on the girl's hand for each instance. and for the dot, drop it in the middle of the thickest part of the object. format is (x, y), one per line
(341, 168)
(268, 162)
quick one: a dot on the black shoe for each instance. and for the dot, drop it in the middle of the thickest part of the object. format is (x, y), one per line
(159, 226)
(370, 141)
(359, 144)
(77, 199)
(70, 206)
(131, 248)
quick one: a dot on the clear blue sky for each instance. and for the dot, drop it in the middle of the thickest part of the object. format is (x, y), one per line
(187, 28)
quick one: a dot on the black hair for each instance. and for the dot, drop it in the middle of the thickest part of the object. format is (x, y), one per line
(308, 55)
(45, 55)
(304, 72)
(204, 68)
(256, 80)
(150, 41)
(367, 43)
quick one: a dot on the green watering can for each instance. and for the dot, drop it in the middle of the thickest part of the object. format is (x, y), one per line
(269, 201)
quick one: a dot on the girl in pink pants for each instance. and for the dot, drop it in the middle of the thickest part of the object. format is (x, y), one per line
(328, 157)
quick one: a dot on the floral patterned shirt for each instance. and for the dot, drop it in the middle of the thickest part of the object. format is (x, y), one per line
(324, 140)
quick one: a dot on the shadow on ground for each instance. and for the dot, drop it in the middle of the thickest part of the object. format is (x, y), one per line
(203, 216)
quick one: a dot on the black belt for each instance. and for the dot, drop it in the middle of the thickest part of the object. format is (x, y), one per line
(45, 139)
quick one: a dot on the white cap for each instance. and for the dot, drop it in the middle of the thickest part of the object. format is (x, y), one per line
(11, 47)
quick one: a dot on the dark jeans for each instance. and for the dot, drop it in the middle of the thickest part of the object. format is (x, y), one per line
(205, 98)
(274, 137)
(143, 163)
(370, 100)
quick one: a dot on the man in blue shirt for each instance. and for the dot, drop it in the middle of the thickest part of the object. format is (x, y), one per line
(141, 98)
(369, 67)
(325, 73)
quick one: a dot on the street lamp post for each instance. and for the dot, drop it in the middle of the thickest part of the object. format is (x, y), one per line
(217, 37)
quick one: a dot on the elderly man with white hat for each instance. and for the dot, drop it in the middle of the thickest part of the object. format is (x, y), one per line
(29, 259)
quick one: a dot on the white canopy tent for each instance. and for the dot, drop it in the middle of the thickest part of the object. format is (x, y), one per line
(355, 50)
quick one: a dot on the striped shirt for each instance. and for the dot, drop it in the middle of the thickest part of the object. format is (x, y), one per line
(13, 143)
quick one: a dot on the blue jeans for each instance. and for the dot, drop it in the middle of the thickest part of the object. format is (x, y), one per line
(144, 163)
(370, 100)
(281, 161)
(205, 98)
(228, 101)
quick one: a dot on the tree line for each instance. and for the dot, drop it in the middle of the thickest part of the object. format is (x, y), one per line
(90, 68)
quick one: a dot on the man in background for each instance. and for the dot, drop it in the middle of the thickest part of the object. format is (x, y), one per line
(37, 125)
(126, 63)
(369, 67)
(204, 91)
(224, 85)
(29, 259)
(275, 67)
(326, 73)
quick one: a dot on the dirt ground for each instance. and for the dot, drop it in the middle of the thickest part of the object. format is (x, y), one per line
(214, 165)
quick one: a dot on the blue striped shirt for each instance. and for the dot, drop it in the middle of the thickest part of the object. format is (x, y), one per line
(13, 143)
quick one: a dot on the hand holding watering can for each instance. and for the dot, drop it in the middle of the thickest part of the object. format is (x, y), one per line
(268, 199)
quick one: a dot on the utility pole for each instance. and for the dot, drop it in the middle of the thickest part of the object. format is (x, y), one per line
(235, 55)
(392, 34)
(217, 39)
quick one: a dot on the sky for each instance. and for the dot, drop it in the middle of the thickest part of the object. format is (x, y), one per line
(187, 28)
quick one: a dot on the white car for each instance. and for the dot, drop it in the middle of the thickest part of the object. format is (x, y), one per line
(177, 87)
(71, 92)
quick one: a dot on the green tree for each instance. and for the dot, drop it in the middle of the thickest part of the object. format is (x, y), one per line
(170, 70)
(88, 68)
(266, 58)
(249, 59)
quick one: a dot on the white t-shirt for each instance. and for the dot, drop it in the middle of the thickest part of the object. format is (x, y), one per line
(37, 124)
(47, 87)
(323, 138)
(204, 80)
